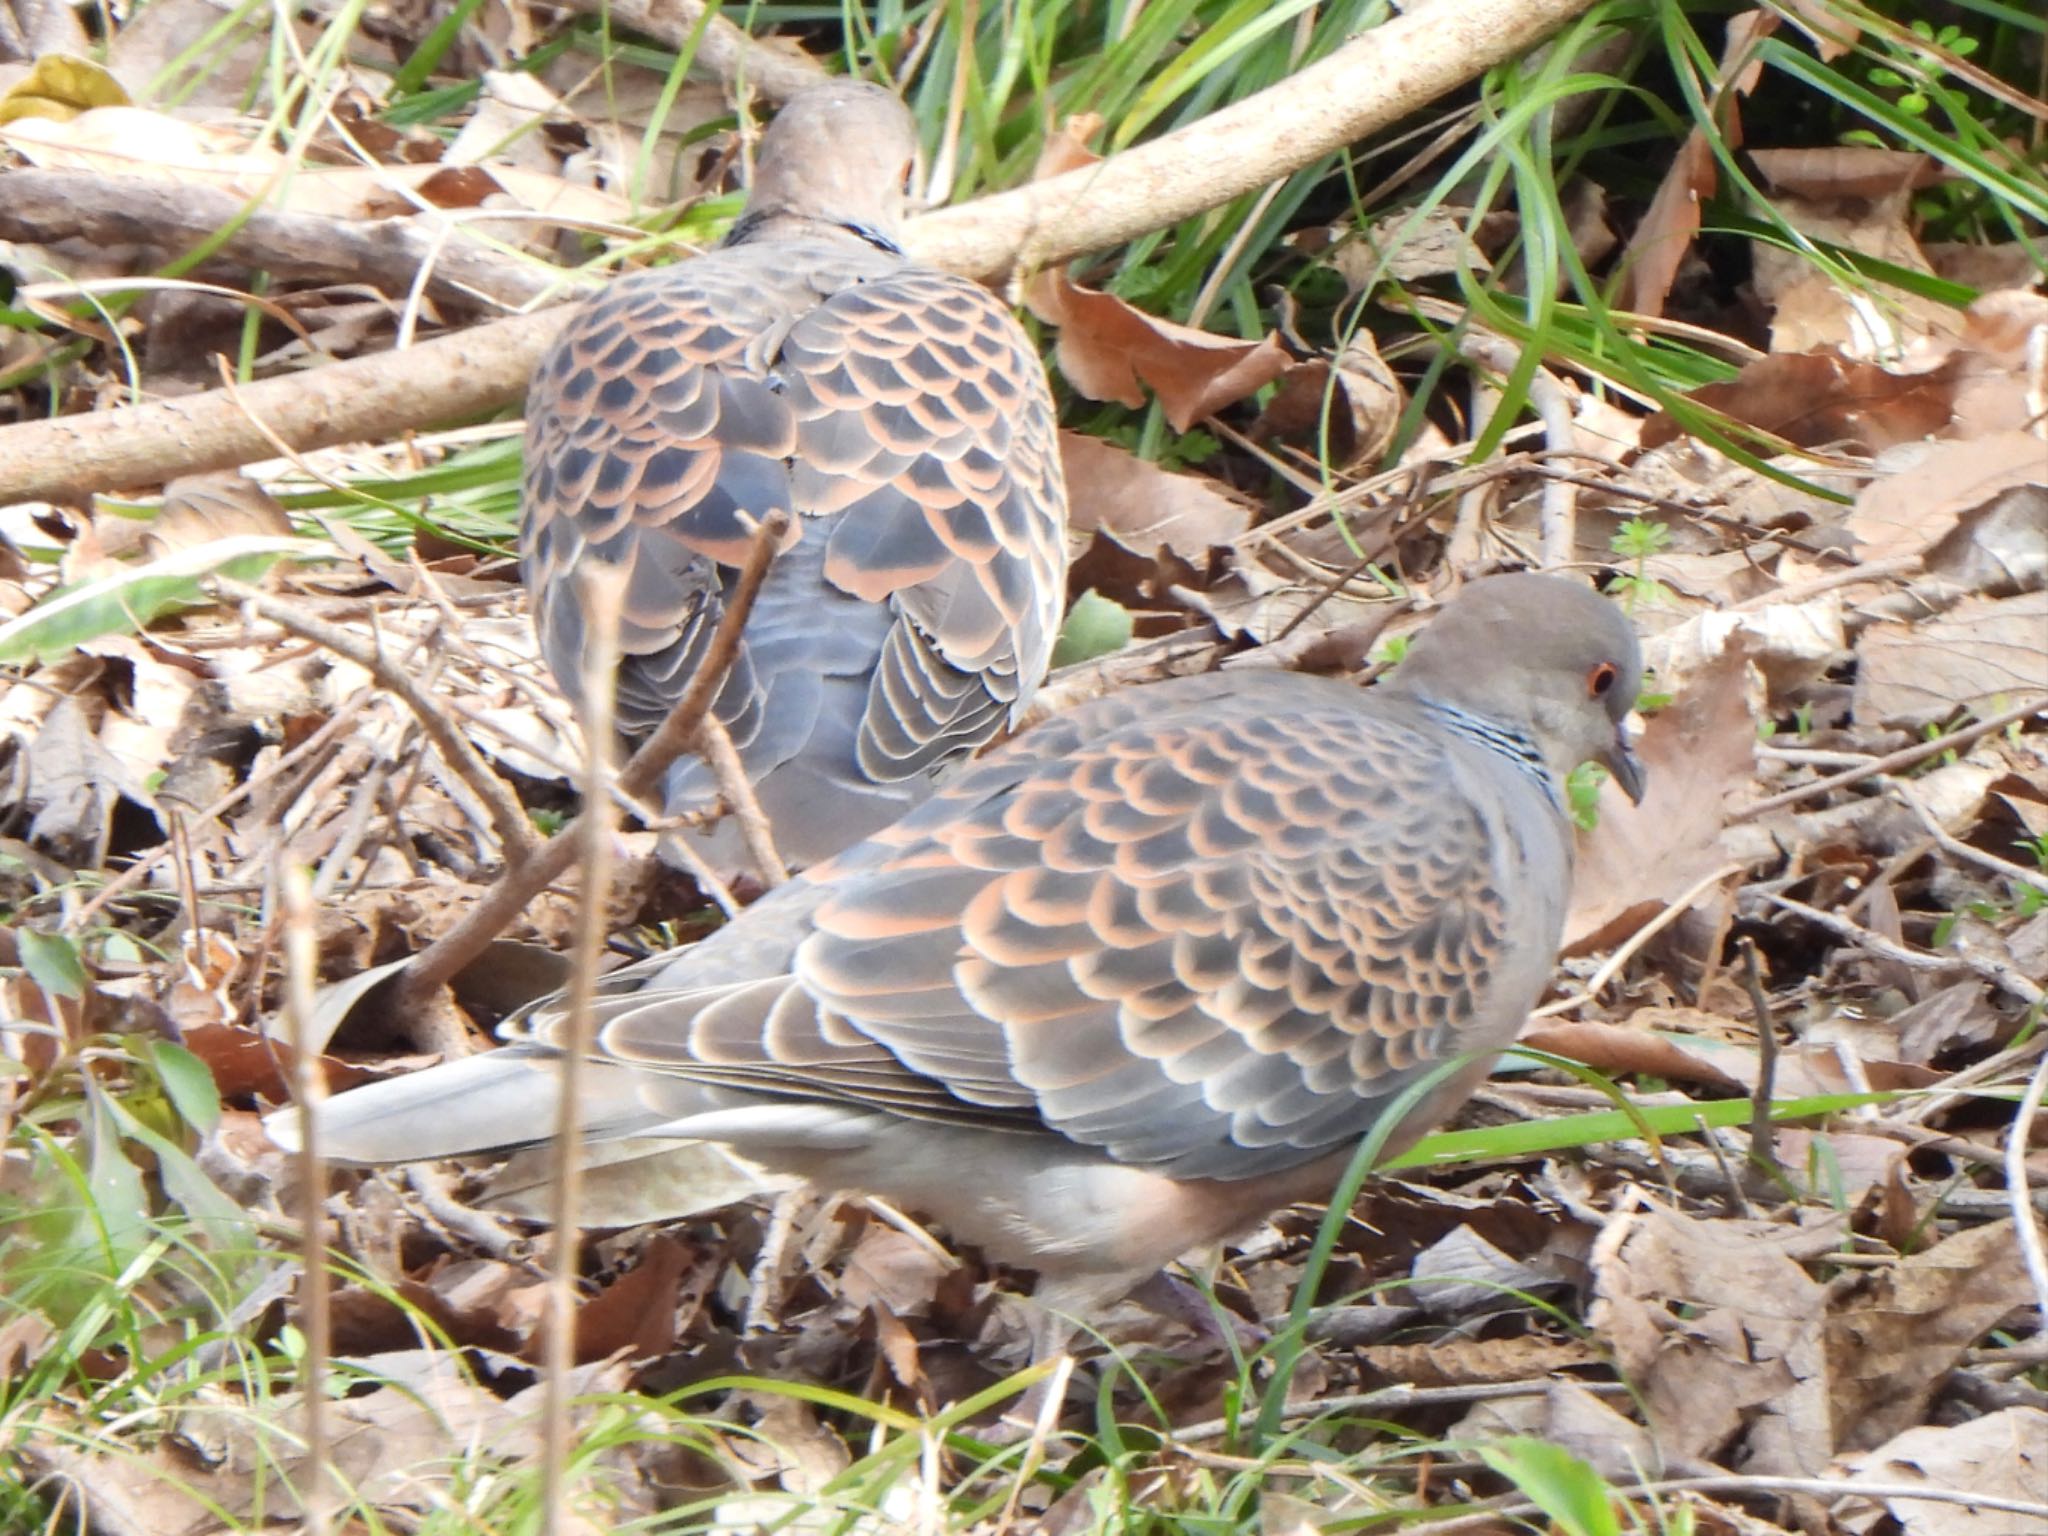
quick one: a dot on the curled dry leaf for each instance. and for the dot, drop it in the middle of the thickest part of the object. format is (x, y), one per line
(199, 509)
(1343, 413)
(1144, 507)
(1822, 399)
(1859, 199)
(1111, 350)
(1664, 236)
(1789, 643)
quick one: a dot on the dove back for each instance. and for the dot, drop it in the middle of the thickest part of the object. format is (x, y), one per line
(897, 412)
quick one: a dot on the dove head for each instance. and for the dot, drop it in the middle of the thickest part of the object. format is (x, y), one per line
(837, 155)
(1550, 659)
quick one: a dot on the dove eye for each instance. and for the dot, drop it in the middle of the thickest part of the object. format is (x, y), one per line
(1601, 678)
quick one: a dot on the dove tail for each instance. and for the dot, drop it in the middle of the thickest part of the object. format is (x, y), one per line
(494, 1102)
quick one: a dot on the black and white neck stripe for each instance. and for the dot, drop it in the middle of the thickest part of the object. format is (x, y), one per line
(1503, 741)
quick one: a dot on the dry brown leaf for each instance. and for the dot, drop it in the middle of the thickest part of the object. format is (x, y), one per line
(1669, 225)
(1567, 1415)
(1720, 1330)
(1929, 485)
(1892, 1336)
(1979, 653)
(895, 1269)
(1619, 1050)
(1666, 232)
(1342, 413)
(198, 509)
(1144, 507)
(1458, 1362)
(1700, 753)
(1111, 350)
(2003, 1454)
(635, 1316)
(1821, 399)
(1861, 199)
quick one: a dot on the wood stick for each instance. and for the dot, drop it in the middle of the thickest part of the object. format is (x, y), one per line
(1376, 79)
(508, 817)
(45, 207)
(1905, 757)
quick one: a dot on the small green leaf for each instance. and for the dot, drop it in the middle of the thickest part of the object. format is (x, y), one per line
(1095, 626)
(52, 962)
(1565, 1488)
(1582, 795)
(188, 1082)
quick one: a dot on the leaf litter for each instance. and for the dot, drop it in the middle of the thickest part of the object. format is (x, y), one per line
(1847, 1302)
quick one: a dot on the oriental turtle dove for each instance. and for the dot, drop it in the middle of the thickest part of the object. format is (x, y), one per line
(1136, 979)
(898, 413)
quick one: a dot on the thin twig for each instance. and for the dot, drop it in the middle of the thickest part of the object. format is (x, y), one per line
(509, 820)
(1892, 762)
(2025, 1224)
(1396, 1397)
(2005, 977)
(1763, 1133)
(441, 960)
(714, 745)
(1855, 575)
(2005, 868)
(1611, 967)
(677, 734)
(301, 975)
(603, 593)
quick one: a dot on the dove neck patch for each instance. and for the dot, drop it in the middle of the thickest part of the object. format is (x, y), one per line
(749, 224)
(1503, 741)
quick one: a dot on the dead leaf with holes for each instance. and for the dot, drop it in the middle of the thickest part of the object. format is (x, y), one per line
(2001, 1455)
(1721, 1330)
(1894, 1335)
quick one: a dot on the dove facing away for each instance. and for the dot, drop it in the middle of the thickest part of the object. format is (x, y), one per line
(1138, 978)
(898, 413)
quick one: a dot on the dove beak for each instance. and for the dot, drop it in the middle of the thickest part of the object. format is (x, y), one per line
(1621, 760)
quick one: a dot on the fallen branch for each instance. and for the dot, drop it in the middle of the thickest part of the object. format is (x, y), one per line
(1905, 757)
(1376, 79)
(46, 207)
(441, 960)
(2001, 975)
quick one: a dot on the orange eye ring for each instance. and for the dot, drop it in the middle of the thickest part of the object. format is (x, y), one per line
(1601, 678)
